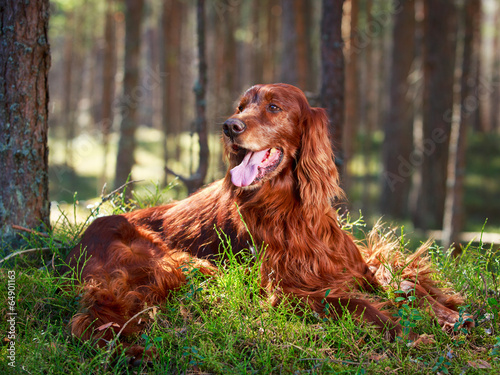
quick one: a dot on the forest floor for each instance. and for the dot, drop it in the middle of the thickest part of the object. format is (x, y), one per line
(224, 325)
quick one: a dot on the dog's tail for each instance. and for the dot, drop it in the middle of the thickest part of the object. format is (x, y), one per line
(391, 263)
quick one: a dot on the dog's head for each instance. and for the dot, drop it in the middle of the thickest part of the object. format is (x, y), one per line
(274, 132)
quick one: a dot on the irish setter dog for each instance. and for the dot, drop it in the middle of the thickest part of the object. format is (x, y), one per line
(282, 180)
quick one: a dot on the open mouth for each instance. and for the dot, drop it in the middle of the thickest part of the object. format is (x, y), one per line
(255, 166)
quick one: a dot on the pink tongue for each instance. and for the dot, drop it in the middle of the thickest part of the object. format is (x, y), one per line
(245, 173)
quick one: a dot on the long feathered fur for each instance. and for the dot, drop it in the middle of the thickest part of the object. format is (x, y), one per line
(134, 260)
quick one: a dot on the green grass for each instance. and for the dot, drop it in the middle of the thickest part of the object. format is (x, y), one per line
(224, 324)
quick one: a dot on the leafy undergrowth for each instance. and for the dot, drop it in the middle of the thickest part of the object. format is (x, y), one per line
(224, 325)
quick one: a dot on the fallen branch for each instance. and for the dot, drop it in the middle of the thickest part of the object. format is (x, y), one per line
(23, 252)
(18, 227)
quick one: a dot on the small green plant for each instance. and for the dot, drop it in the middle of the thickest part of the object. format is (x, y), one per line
(346, 222)
(193, 355)
(495, 352)
(326, 309)
(149, 343)
(459, 324)
(193, 279)
(441, 365)
(495, 307)
(407, 313)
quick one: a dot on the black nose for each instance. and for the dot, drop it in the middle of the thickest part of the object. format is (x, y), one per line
(233, 127)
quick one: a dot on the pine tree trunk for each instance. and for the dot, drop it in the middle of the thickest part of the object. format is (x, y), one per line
(170, 55)
(108, 84)
(398, 128)
(495, 90)
(368, 119)
(200, 90)
(302, 11)
(454, 205)
(479, 116)
(196, 180)
(131, 91)
(272, 40)
(332, 71)
(289, 37)
(439, 61)
(67, 112)
(351, 91)
(25, 56)
(296, 55)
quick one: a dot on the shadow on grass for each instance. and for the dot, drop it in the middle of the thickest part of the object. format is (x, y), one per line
(64, 182)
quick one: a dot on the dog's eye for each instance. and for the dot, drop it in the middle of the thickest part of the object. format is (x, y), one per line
(274, 108)
(240, 108)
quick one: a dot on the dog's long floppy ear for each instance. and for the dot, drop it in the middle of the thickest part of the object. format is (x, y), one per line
(316, 171)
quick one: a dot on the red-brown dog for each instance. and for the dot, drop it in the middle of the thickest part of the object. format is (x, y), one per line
(283, 180)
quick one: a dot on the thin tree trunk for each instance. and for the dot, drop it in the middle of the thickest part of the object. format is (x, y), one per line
(332, 71)
(495, 90)
(454, 205)
(25, 56)
(67, 112)
(200, 91)
(480, 116)
(439, 62)
(165, 58)
(289, 59)
(131, 91)
(108, 85)
(398, 129)
(351, 91)
(301, 42)
(272, 40)
(195, 181)
(368, 112)
(257, 50)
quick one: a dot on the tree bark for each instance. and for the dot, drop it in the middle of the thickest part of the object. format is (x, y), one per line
(25, 56)
(439, 62)
(289, 36)
(195, 181)
(332, 71)
(495, 89)
(296, 56)
(368, 114)
(398, 127)
(272, 39)
(131, 96)
(480, 117)
(108, 84)
(170, 56)
(68, 108)
(454, 205)
(351, 90)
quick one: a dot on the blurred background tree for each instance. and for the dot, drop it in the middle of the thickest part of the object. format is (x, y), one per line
(421, 76)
